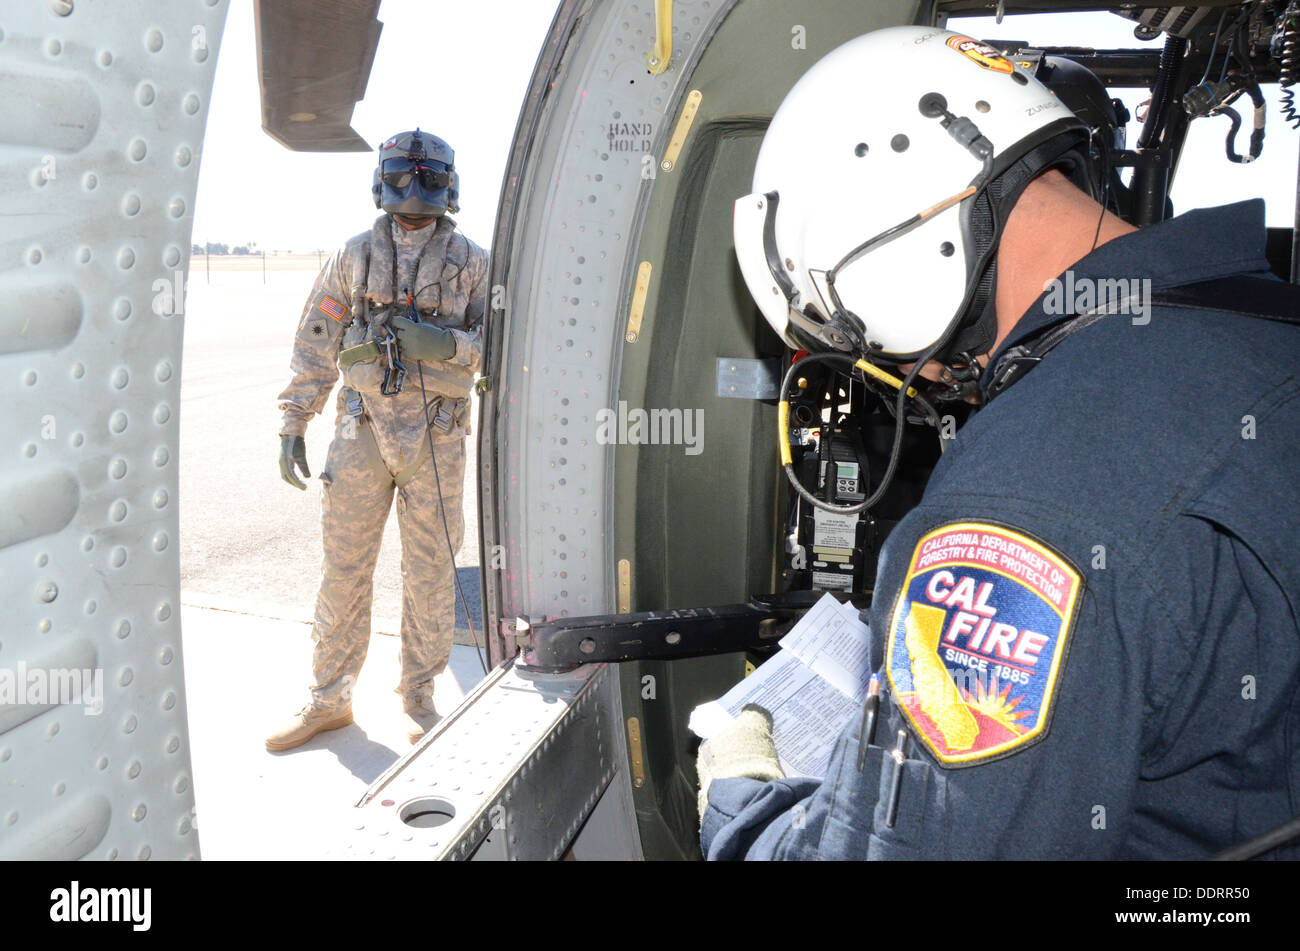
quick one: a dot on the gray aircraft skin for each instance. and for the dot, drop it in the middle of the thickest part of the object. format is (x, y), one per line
(639, 579)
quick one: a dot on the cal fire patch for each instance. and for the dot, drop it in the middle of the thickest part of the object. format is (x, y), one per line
(977, 639)
(332, 307)
(987, 56)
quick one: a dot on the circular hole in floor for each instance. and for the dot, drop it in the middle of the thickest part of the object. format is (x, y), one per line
(427, 812)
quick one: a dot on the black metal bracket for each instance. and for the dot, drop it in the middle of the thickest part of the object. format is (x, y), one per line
(1150, 158)
(1128, 68)
(565, 642)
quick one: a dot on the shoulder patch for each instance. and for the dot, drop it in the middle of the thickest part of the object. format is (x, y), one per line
(329, 305)
(978, 638)
(315, 330)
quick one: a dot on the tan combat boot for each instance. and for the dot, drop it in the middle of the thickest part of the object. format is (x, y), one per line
(420, 716)
(307, 723)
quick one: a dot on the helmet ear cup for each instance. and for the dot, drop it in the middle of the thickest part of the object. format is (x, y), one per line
(453, 193)
(1067, 151)
(376, 188)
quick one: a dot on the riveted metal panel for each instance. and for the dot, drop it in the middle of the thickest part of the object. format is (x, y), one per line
(586, 153)
(102, 111)
(515, 772)
(569, 283)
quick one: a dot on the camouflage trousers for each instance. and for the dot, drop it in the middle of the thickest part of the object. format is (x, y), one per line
(355, 503)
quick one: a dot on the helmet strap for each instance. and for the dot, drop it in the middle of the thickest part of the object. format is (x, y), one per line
(977, 329)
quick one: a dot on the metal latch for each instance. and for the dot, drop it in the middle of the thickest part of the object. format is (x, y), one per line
(520, 629)
(443, 417)
(395, 370)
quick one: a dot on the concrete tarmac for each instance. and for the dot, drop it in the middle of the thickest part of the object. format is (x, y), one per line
(250, 567)
(244, 676)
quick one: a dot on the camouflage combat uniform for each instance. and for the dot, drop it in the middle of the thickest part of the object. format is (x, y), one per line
(380, 443)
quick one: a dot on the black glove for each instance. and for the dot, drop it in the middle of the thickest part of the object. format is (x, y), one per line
(293, 449)
(426, 342)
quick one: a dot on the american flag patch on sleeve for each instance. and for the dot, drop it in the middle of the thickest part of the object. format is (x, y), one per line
(332, 307)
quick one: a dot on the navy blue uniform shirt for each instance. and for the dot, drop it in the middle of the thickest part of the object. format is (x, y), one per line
(1088, 627)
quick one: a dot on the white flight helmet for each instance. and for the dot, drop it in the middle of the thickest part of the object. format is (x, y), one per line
(910, 136)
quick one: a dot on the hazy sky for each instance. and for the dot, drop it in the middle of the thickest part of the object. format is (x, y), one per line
(460, 70)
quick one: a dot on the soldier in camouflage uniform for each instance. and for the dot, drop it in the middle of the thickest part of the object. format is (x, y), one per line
(355, 321)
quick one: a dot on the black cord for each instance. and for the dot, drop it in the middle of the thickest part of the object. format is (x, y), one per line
(1162, 94)
(442, 510)
(1237, 30)
(438, 283)
(1106, 170)
(1214, 44)
(418, 258)
(1260, 844)
(433, 458)
(900, 403)
(895, 452)
(889, 234)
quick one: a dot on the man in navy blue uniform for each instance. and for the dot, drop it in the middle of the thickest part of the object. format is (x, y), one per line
(1087, 631)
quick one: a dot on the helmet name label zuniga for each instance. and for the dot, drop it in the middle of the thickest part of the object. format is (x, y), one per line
(981, 53)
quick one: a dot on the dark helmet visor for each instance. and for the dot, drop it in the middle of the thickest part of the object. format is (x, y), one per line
(399, 172)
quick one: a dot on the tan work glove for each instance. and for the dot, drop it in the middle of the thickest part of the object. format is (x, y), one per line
(743, 749)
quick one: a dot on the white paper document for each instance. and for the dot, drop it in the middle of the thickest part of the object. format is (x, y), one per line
(813, 685)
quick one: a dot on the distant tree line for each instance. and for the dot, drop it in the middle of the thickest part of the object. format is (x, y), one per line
(217, 247)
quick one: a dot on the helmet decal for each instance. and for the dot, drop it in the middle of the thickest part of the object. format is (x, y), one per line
(981, 53)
